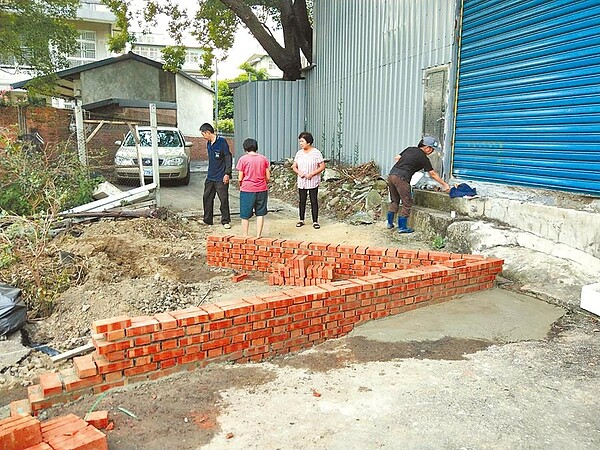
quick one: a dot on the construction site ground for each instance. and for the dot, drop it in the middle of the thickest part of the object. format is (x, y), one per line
(497, 369)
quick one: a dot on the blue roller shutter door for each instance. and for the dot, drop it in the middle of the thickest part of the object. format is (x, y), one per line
(528, 109)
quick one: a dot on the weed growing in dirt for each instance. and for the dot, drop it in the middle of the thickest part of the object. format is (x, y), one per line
(439, 242)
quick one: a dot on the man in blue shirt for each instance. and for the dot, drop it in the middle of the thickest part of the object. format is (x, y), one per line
(217, 178)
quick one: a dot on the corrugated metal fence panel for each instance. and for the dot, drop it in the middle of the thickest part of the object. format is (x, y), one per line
(528, 109)
(365, 93)
(272, 112)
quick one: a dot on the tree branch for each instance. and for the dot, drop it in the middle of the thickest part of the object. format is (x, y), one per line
(266, 40)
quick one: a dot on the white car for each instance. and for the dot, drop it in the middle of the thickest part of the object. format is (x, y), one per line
(173, 156)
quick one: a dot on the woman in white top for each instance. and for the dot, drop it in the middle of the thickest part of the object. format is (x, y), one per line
(308, 164)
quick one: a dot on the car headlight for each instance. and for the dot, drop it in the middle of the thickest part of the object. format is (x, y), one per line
(123, 161)
(174, 161)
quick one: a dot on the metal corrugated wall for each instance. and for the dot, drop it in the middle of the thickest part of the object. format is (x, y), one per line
(528, 110)
(365, 90)
(272, 112)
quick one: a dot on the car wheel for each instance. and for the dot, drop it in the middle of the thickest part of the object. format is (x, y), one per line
(185, 181)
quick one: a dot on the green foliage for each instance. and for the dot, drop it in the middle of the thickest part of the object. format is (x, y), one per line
(28, 259)
(215, 25)
(225, 96)
(216, 22)
(121, 36)
(225, 125)
(174, 58)
(439, 242)
(37, 33)
(356, 155)
(339, 129)
(206, 65)
(39, 181)
(252, 74)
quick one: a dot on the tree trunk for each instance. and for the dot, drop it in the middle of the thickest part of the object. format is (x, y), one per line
(303, 29)
(294, 25)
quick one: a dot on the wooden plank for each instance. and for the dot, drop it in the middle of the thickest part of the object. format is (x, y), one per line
(74, 352)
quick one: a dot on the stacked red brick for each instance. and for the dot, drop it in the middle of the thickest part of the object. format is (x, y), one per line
(136, 349)
(264, 255)
(63, 433)
(301, 272)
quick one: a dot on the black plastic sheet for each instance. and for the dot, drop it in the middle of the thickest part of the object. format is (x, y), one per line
(13, 311)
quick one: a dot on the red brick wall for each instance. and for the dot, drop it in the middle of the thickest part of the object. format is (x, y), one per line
(199, 148)
(51, 123)
(373, 283)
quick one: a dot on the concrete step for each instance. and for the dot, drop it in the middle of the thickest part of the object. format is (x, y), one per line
(576, 225)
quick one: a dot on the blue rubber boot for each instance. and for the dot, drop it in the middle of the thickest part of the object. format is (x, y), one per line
(390, 220)
(402, 225)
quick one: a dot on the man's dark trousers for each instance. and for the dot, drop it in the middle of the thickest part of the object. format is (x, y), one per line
(222, 190)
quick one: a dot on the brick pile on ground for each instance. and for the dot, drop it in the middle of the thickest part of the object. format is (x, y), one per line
(22, 431)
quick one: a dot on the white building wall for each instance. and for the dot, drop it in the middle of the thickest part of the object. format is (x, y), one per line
(365, 93)
(194, 106)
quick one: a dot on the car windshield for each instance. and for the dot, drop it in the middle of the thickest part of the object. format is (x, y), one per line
(166, 138)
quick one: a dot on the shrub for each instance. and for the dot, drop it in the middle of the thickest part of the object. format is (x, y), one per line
(35, 186)
(42, 181)
(225, 125)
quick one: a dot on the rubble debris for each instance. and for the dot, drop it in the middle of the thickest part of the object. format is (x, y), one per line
(344, 190)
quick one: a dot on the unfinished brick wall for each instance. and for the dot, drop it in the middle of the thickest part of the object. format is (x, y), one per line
(368, 283)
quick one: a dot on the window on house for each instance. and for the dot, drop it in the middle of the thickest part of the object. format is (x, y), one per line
(192, 56)
(87, 49)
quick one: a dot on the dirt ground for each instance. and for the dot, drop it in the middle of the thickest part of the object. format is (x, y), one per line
(143, 266)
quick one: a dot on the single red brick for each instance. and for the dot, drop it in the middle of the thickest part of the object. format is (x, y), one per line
(115, 335)
(140, 327)
(85, 366)
(190, 316)
(143, 351)
(103, 347)
(20, 408)
(114, 323)
(50, 384)
(62, 425)
(73, 382)
(36, 397)
(98, 389)
(105, 366)
(166, 320)
(239, 277)
(168, 334)
(140, 369)
(168, 354)
(98, 419)
(454, 262)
